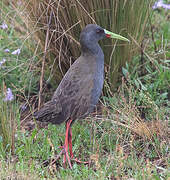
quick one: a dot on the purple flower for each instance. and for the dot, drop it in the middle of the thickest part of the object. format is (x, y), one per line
(9, 96)
(6, 50)
(16, 52)
(2, 62)
(160, 4)
(3, 26)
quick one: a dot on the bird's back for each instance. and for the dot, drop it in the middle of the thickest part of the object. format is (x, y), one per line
(78, 92)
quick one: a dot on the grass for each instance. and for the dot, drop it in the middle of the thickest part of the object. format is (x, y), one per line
(113, 151)
(129, 140)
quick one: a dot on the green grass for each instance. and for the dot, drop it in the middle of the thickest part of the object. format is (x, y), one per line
(130, 140)
(110, 153)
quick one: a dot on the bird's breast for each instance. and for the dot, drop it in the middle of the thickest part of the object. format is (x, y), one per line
(98, 80)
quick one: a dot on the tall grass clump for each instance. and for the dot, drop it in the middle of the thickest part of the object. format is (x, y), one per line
(57, 26)
(8, 122)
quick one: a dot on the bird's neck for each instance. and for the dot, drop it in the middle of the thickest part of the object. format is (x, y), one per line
(91, 50)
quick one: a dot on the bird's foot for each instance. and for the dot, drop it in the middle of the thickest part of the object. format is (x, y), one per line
(68, 139)
(80, 162)
(66, 156)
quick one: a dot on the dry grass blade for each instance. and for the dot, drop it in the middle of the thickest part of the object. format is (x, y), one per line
(43, 62)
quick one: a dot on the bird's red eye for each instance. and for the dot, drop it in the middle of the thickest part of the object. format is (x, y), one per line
(100, 31)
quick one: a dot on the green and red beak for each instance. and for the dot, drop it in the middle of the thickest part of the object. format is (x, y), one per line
(115, 36)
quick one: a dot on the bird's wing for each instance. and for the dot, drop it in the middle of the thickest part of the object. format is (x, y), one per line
(75, 89)
(49, 111)
(72, 99)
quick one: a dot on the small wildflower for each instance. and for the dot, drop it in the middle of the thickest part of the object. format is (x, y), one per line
(166, 6)
(6, 50)
(2, 62)
(3, 26)
(16, 52)
(9, 96)
(160, 4)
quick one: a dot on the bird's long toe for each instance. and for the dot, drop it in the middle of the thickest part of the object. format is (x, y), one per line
(66, 157)
(80, 162)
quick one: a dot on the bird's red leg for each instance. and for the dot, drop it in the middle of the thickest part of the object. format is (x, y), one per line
(70, 142)
(70, 146)
(65, 147)
(66, 156)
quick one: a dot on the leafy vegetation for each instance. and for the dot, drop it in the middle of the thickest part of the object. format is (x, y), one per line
(130, 138)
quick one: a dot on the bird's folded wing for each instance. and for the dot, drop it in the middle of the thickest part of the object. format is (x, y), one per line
(49, 111)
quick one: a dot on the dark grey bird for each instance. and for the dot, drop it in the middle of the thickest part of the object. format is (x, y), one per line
(80, 89)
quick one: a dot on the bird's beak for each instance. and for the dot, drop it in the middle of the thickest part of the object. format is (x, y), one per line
(115, 36)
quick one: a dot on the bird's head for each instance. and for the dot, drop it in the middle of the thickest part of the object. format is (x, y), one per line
(92, 33)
